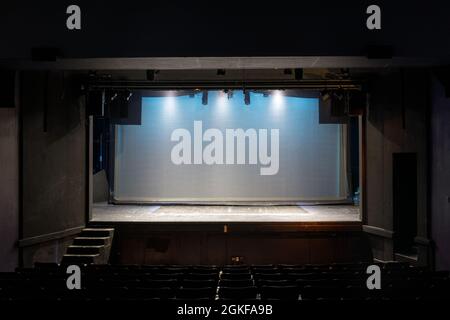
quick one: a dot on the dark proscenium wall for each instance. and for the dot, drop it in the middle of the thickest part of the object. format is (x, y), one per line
(53, 163)
(396, 123)
(440, 175)
(9, 188)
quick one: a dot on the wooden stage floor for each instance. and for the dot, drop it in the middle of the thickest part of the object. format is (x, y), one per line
(103, 212)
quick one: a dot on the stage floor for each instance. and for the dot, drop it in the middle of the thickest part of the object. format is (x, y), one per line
(103, 212)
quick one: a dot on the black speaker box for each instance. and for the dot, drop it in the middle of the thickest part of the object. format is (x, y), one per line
(125, 108)
(95, 103)
(443, 75)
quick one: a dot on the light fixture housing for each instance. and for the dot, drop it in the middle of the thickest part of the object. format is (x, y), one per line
(246, 97)
(204, 97)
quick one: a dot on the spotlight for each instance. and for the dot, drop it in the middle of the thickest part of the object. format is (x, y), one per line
(325, 95)
(128, 95)
(246, 97)
(114, 96)
(339, 94)
(204, 97)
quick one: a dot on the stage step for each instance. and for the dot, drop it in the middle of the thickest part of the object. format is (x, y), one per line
(92, 246)
(97, 232)
(92, 241)
(409, 258)
(79, 259)
(75, 249)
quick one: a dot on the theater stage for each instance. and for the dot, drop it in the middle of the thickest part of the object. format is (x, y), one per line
(103, 212)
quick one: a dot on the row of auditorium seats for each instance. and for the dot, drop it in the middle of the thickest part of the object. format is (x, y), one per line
(258, 282)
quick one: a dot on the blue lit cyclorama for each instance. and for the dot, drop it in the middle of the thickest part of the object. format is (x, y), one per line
(170, 157)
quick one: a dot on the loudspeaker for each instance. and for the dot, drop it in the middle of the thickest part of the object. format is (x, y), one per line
(7, 88)
(150, 74)
(337, 106)
(357, 103)
(124, 107)
(443, 75)
(117, 104)
(96, 103)
(331, 111)
(298, 73)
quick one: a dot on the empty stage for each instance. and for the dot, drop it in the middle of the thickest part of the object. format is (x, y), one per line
(103, 212)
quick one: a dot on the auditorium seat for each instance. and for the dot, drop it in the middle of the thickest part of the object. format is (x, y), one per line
(280, 292)
(151, 293)
(171, 270)
(201, 276)
(237, 293)
(236, 276)
(267, 282)
(320, 293)
(235, 283)
(167, 283)
(264, 269)
(203, 269)
(196, 293)
(305, 276)
(164, 276)
(236, 269)
(275, 283)
(269, 276)
(198, 283)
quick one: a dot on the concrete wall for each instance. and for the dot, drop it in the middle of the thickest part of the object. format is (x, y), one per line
(54, 163)
(440, 175)
(9, 188)
(396, 122)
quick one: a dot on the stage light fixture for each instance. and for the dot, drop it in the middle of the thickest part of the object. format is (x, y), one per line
(128, 95)
(204, 97)
(246, 97)
(114, 96)
(325, 95)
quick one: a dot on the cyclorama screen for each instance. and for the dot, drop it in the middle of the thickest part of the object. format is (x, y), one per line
(231, 145)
